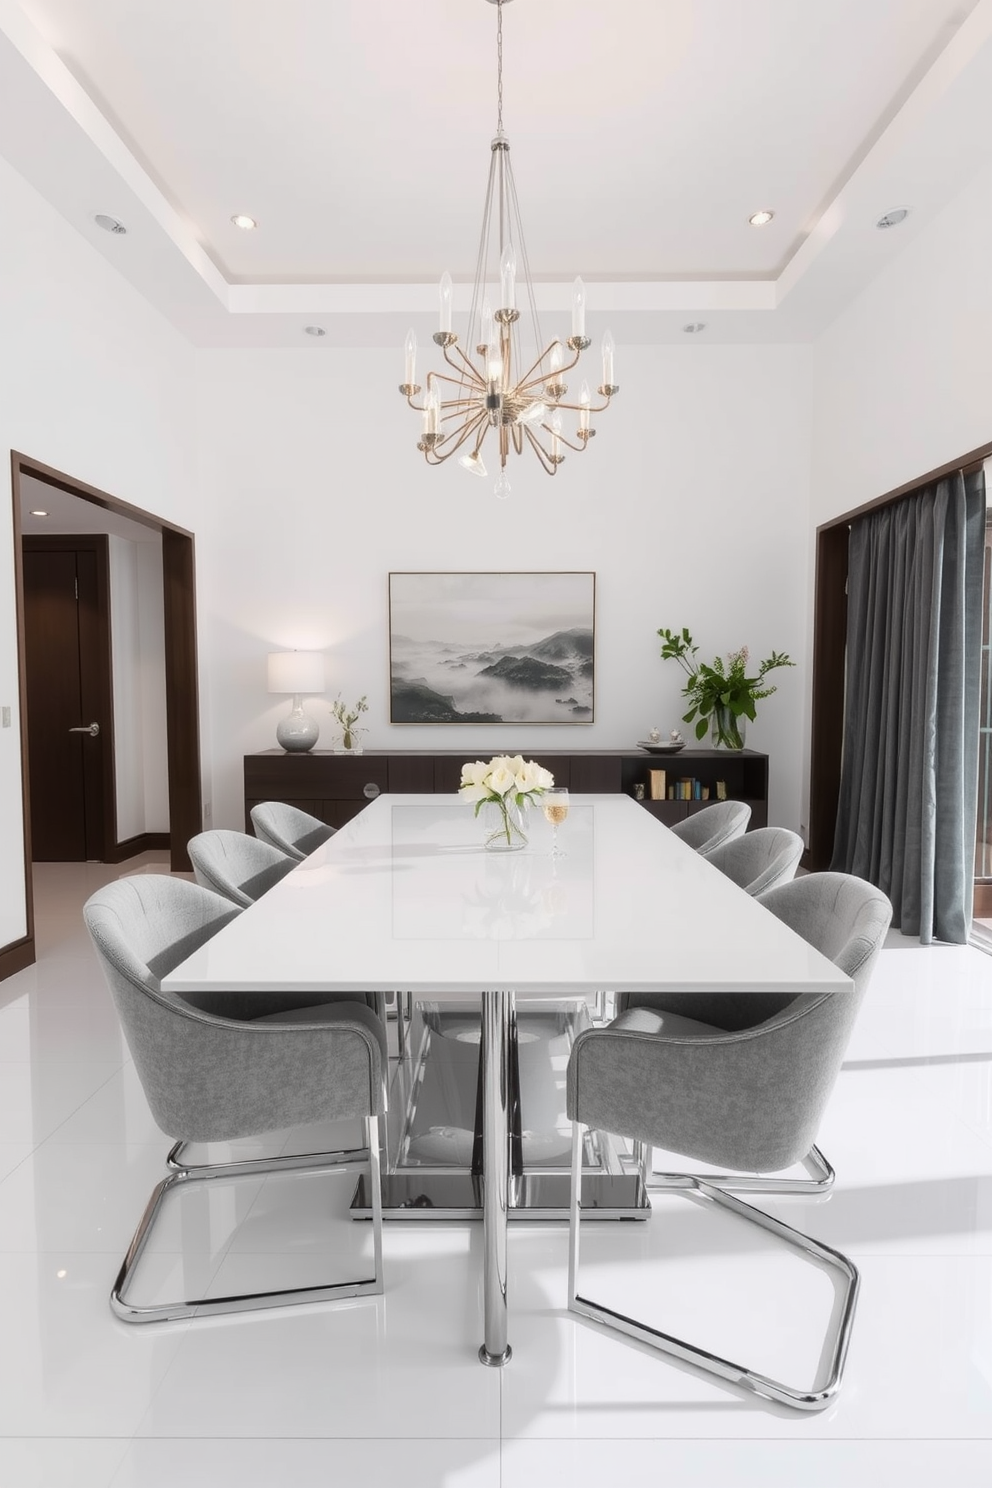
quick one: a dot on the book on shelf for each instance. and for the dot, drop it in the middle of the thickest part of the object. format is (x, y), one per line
(657, 782)
(721, 790)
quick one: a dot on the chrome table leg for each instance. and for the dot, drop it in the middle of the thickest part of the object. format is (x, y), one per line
(497, 1010)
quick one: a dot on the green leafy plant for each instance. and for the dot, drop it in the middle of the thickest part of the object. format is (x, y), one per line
(721, 693)
(347, 717)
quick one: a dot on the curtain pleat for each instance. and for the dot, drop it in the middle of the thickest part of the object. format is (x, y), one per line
(909, 775)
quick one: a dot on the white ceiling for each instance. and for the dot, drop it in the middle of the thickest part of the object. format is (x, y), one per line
(74, 514)
(644, 133)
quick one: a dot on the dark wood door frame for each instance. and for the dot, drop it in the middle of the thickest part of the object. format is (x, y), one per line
(97, 683)
(182, 705)
(829, 653)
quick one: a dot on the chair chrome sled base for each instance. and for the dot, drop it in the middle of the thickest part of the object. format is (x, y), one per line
(250, 1301)
(244, 1167)
(725, 1369)
(820, 1180)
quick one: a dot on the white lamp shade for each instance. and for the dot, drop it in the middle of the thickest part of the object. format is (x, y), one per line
(296, 671)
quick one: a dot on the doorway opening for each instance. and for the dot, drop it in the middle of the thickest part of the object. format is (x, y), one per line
(182, 746)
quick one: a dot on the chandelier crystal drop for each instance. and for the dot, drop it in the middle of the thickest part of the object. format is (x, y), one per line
(506, 378)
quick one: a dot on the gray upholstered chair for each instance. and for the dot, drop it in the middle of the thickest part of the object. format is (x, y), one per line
(737, 1080)
(759, 860)
(219, 1066)
(291, 830)
(239, 867)
(296, 834)
(714, 825)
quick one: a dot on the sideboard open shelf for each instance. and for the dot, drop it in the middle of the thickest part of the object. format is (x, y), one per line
(335, 787)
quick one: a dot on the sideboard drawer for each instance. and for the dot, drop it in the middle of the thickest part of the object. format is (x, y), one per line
(314, 776)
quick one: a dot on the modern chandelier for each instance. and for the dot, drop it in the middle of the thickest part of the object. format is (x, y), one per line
(487, 390)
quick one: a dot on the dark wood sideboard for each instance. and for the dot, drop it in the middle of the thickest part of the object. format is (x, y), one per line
(335, 787)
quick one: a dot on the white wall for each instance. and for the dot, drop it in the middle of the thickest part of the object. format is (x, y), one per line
(92, 382)
(902, 381)
(138, 664)
(691, 506)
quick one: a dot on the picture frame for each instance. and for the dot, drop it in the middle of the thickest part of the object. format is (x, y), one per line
(492, 648)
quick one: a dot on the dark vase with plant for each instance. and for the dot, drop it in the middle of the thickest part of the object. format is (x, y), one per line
(721, 695)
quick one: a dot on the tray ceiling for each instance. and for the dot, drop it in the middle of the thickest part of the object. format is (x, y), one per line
(356, 132)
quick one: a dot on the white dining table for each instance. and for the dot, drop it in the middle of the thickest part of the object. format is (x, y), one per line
(405, 897)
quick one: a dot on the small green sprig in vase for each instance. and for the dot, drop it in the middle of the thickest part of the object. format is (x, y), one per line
(348, 717)
(721, 694)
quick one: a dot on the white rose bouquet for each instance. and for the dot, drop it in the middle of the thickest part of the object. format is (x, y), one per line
(507, 781)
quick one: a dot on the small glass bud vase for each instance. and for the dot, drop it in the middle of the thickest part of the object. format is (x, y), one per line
(503, 826)
(726, 730)
(349, 743)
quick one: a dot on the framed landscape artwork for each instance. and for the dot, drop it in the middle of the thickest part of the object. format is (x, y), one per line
(491, 647)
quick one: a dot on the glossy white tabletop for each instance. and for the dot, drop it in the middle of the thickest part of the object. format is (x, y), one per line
(405, 897)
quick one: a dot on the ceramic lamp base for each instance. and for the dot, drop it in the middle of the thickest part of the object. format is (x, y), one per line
(297, 732)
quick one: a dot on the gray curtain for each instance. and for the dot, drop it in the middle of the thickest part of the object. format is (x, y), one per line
(909, 776)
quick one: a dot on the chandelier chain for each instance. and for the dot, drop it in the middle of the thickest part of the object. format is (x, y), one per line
(499, 66)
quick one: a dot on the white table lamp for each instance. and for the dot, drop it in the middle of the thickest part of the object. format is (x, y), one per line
(302, 674)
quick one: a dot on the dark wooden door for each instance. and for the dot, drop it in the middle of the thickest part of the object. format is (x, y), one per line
(67, 669)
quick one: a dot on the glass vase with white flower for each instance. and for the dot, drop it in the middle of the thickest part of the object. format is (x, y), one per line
(502, 789)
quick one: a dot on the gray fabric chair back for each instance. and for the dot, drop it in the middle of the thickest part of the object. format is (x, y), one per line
(212, 1065)
(239, 867)
(292, 831)
(708, 829)
(759, 860)
(749, 1093)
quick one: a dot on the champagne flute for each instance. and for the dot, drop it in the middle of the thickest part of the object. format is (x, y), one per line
(554, 803)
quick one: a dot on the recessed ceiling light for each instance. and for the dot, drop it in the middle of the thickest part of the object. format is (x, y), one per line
(240, 219)
(109, 224)
(315, 330)
(39, 513)
(759, 219)
(893, 217)
(694, 327)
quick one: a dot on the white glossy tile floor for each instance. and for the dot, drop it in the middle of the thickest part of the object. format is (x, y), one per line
(388, 1390)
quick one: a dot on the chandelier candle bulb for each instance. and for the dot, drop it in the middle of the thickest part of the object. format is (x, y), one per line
(585, 398)
(432, 410)
(608, 351)
(554, 387)
(578, 309)
(444, 295)
(410, 358)
(507, 277)
(554, 424)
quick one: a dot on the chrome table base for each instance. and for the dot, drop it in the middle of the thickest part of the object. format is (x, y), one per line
(532, 1196)
(475, 1131)
(494, 1059)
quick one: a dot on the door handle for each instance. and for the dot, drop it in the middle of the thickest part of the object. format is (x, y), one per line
(88, 728)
